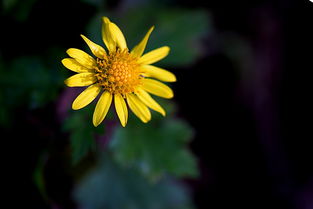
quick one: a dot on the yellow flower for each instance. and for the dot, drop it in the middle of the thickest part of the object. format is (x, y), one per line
(119, 75)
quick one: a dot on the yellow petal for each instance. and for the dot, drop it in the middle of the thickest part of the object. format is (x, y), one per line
(149, 101)
(138, 108)
(158, 73)
(102, 108)
(82, 57)
(87, 96)
(96, 49)
(154, 55)
(117, 36)
(107, 36)
(121, 109)
(157, 88)
(81, 79)
(73, 65)
(139, 49)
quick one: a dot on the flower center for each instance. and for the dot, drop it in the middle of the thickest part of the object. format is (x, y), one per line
(118, 72)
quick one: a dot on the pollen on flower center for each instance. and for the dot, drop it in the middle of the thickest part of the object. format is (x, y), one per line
(118, 72)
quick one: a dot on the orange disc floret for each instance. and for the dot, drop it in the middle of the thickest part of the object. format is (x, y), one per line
(118, 72)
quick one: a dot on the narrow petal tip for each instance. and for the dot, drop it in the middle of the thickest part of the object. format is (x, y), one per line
(63, 61)
(106, 20)
(94, 124)
(75, 107)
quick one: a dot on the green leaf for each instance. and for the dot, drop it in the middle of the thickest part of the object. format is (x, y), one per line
(82, 133)
(81, 143)
(27, 82)
(183, 30)
(114, 187)
(156, 148)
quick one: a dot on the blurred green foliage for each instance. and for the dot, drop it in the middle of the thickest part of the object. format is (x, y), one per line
(27, 82)
(83, 133)
(19, 9)
(181, 29)
(155, 148)
(111, 186)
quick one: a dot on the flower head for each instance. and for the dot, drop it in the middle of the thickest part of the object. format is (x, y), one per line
(120, 75)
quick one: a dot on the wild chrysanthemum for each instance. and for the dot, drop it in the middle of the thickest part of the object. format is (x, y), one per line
(120, 75)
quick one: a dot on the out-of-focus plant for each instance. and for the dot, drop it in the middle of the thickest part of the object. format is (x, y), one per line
(156, 148)
(82, 134)
(19, 9)
(111, 186)
(139, 166)
(27, 82)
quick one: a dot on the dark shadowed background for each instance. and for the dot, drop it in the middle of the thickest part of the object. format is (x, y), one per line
(243, 92)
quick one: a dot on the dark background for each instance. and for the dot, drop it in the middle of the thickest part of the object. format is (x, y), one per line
(254, 134)
(253, 127)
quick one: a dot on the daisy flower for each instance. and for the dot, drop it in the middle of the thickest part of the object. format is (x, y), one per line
(118, 75)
